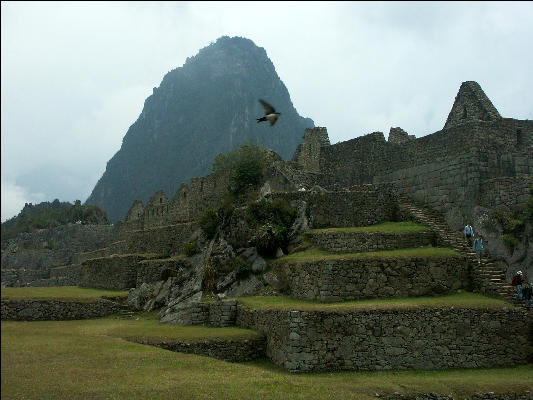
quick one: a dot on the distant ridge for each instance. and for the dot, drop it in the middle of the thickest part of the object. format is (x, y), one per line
(206, 107)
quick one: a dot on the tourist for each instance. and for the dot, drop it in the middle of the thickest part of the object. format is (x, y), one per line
(517, 281)
(528, 292)
(469, 233)
(478, 247)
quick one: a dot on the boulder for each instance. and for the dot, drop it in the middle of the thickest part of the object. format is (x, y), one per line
(245, 287)
(138, 297)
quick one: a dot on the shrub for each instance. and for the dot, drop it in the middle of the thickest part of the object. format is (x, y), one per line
(239, 265)
(191, 248)
(269, 237)
(271, 221)
(244, 165)
(277, 211)
(509, 240)
(209, 223)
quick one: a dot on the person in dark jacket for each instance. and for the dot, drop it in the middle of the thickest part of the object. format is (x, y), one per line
(517, 282)
(479, 248)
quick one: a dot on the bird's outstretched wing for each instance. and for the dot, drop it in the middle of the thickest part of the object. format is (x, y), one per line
(268, 108)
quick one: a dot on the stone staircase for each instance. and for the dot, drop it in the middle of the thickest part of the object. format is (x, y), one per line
(487, 276)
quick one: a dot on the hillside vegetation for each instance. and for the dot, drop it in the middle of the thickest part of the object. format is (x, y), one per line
(52, 214)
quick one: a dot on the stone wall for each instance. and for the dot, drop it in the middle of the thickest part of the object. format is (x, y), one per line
(56, 310)
(443, 170)
(504, 193)
(58, 276)
(68, 275)
(357, 242)
(471, 103)
(18, 277)
(164, 240)
(28, 258)
(343, 279)
(187, 205)
(221, 313)
(429, 338)
(367, 205)
(227, 350)
(399, 136)
(115, 272)
(307, 154)
(149, 271)
(113, 248)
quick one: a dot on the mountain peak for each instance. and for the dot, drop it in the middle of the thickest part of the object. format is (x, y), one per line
(206, 107)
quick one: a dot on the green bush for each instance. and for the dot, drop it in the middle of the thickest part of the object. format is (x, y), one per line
(277, 211)
(191, 248)
(209, 223)
(239, 265)
(268, 238)
(245, 167)
(50, 215)
(509, 240)
(271, 222)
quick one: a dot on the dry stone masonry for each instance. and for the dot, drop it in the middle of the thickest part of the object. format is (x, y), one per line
(430, 338)
(56, 310)
(359, 242)
(478, 159)
(344, 279)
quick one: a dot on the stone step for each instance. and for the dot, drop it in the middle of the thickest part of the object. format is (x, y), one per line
(487, 270)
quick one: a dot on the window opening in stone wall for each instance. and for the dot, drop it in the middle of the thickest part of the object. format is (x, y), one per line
(202, 185)
(160, 200)
(465, 113)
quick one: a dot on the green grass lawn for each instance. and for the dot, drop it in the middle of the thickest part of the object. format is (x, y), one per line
(146, 325)
(315, 254)
(385, 227)
(458, 300)
(89, 359)
(59, 292)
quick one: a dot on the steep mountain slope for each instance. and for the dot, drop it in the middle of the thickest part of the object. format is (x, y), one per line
(206, 107)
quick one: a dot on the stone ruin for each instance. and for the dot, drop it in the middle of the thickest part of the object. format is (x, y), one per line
(479, 161)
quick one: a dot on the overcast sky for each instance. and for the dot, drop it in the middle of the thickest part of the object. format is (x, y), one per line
(75, 75)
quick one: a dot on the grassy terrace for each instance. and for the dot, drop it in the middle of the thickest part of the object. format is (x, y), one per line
(315, 254)
(90, 359)
(167, 259)
(59, 293)
(457, 300)
(146, 326)
(385, 227)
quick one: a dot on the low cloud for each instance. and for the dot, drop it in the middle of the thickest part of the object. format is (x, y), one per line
(15, 197)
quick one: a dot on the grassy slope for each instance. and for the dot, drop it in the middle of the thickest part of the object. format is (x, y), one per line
(385, 227)
(458, 300)
(59, 292)
(86, 360)
(420, 252)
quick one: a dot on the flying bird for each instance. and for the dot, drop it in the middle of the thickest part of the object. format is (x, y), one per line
(270, 113)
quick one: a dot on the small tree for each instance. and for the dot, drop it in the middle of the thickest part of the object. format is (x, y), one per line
(245, 166)
(209, 223)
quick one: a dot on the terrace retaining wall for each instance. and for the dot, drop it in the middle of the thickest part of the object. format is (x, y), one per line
(55, 310)
(355, 242)
(343, 279)
(428, 338)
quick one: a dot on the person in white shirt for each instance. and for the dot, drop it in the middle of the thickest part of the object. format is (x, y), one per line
(469, 234)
